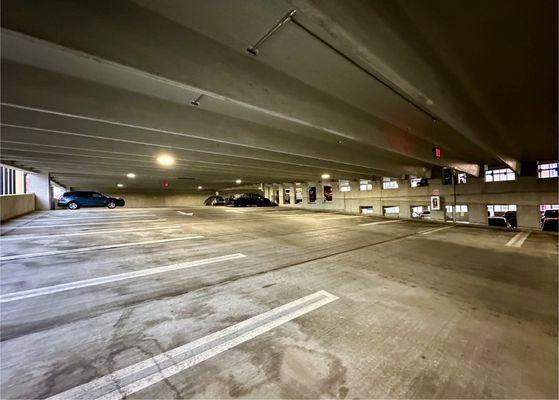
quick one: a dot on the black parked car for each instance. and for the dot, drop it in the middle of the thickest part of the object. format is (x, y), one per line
(510, 216)
(215, 201)
(550, 220)
(75, 200)
(498, 221)
(251, 199)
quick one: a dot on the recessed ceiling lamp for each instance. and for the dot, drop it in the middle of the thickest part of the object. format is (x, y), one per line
(199, 187)
(325, 176)
(166, 160)
(238, 181)
(120, 185)
(131, 175)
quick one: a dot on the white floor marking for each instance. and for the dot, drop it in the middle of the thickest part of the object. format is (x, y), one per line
(124, 382)
(84, 217)
(42, 291)
(518, 239)
(81, 225)
(381, 222)
(84, 249)
(102, 231)
(428, 231)
(183, 213)
(342, 217)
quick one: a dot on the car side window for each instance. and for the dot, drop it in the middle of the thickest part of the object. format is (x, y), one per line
(98, 195)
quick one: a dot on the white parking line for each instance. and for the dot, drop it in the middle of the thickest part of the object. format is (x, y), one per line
(381, 222)
(42, 291)
(183, 213)
(99, 232)
(341, 217)
(92, 248)
(518, 239)
(124, 382)
(44, 219)
(428, 231)
(81, 225)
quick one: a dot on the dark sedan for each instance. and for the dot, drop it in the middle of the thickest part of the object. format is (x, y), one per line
(251, 199)
(550, 221)
(75, 200)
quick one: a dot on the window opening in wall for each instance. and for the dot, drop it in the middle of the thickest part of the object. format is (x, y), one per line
(12, 181)
(327, 193)
(345, 186)
(548, 170)
(461, 212)
(365, 184)
(419, 182)
(499, 175)
(391, 211)
(462, 177)
(312, 194)
(549, 217)
(298, 195)
(286, 196)
(276, 198)
(502, 215)
(388, 183)
(423, 212)
(365, 209)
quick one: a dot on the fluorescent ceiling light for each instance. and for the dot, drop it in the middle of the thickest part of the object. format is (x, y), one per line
(238, 181)
(325, 176)
(166, 160)
(120, 185)
(199, 187)
(131, 175)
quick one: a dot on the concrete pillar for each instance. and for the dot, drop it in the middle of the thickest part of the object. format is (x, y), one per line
(279, 200)
(477, 213)
(40, 185)
(528, 217)
(405, 210)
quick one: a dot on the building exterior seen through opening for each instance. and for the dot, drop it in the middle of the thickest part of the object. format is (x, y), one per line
(279, 199)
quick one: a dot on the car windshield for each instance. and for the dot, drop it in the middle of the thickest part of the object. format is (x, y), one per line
(552, 214)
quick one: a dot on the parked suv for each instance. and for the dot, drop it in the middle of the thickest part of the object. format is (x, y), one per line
(75, 200)
(251, 199)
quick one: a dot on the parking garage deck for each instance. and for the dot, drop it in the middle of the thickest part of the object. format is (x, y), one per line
(226, 302)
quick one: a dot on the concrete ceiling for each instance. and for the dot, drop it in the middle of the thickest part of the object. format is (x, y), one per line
(92, 90)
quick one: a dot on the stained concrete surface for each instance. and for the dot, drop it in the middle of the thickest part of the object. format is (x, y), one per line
(451, 313)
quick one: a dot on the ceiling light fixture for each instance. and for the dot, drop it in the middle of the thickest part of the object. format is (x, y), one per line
(166, 160)
(199, 187)
(325, 176)
(120, 185)
(238, 181)
(131, 175)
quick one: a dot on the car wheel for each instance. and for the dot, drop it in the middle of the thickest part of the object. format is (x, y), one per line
(73, 205)
(111, 204)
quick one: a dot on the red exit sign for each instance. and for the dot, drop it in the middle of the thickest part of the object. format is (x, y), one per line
(437, 152)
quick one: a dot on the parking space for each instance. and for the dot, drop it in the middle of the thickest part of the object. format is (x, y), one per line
(220, 302)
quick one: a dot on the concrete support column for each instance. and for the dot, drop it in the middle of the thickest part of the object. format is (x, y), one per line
(40, 185)
(477, 213)
(280, 195)
(528, 217)
(405, 210)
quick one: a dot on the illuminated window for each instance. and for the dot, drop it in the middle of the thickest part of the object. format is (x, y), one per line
(500, 209)
(461, 178)
(499, 175)
(548, 170)
(460, 208)
(414, 182)
(388, 183)
(344, 186)
(365, 184)
(545, 207)
(391, 211)
(366, 209)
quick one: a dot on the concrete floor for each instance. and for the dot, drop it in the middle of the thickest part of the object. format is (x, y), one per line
(394, 310)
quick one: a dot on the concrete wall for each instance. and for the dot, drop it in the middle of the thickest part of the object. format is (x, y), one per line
(527, 193)
(13, 205)
(162, 199)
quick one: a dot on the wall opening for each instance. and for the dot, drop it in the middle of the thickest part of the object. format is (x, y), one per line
(327, 191)
(312, 194)
(391, 211)
(365, 209)
(421, 212)
(502, 215)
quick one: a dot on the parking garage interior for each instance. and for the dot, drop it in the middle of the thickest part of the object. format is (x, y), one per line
(279, 199)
